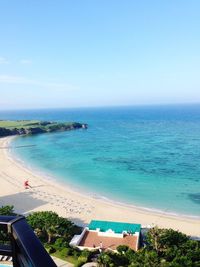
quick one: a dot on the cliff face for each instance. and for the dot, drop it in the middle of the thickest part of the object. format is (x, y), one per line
(42, 127)
(5, 132)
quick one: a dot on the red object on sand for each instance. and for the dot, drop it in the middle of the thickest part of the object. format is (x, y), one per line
(26, 184)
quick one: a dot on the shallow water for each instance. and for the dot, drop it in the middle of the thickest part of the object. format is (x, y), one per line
(145, 156)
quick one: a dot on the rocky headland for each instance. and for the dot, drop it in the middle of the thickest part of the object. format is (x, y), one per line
(8, 128)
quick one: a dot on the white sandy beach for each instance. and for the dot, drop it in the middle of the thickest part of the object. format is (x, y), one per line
(48, 195)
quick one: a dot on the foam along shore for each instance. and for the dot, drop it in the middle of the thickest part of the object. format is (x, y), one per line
(46, 194)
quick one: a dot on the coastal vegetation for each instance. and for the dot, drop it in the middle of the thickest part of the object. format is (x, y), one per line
(164, 248)
(7, 210)
(161, 248)
(48, 226)
(55, 233)
(25, 127)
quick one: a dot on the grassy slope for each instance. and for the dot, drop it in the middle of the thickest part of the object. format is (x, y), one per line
(28, 124)
(19, 124)
(71, 259)
(20, 127)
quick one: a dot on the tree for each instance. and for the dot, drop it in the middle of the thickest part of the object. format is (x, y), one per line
(104, 260)
(44, 223)
(130, 255)
(153, 238)
(162, 239)
(49, 225)
(151, 259)
(66, 228)
(122, 249)
(171, 238)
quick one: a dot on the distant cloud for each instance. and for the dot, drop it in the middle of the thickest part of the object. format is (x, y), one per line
(3, 60)
(13, 79)
(25, 61)
(9, 79)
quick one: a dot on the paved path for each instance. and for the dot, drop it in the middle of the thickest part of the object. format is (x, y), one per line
(61, 263)
(90, 264)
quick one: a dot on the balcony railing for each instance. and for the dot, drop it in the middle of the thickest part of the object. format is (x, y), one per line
(21, 243)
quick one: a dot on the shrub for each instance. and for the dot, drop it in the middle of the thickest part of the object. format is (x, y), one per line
(7, 210)
(122, 249)
(86, 253)
(76, 252)
(69, 251)
(52, 250)
(63, 252)
(60, 243)
(81, 261)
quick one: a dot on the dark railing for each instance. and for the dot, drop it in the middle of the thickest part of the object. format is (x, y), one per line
(22, 244)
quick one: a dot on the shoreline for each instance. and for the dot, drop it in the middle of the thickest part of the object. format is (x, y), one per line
(84, 193)
(47, 194)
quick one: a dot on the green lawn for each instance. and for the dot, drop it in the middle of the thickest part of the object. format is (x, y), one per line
(61, 253)
(71, 259)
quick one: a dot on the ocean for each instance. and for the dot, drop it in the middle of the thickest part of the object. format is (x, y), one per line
(146, 156)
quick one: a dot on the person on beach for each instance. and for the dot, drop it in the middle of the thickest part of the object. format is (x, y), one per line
(27, 185)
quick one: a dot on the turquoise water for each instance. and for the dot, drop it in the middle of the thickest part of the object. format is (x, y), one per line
(143, 156)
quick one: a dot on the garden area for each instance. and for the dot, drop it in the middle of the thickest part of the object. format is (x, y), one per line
(162, 247)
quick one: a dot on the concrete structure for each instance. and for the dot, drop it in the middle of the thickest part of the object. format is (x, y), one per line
(105, 235)
(61, 263)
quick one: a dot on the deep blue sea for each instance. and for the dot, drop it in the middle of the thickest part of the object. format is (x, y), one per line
(144, 156)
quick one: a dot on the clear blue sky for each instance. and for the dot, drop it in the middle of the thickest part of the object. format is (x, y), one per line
(71, 53)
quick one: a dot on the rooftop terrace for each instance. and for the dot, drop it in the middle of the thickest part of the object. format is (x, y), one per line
(93, 240)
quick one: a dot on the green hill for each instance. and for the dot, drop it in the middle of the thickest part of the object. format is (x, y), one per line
(25, 127)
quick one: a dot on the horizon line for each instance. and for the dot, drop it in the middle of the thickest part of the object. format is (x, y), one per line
(104, 106)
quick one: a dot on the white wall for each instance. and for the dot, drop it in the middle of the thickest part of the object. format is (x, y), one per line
(77, 238)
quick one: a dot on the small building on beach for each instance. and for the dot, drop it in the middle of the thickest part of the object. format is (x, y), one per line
(108, 235)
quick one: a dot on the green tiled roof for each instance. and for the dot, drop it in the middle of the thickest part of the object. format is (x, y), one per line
(117, 227)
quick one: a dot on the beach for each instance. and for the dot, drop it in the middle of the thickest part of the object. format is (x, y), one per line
(46, 194)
